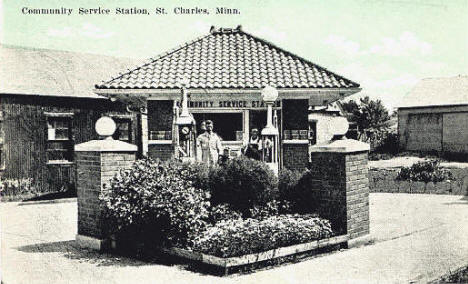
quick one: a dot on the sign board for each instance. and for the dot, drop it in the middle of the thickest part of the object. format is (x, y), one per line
(230, 104)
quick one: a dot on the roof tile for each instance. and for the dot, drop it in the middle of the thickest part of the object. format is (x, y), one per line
(228, 58)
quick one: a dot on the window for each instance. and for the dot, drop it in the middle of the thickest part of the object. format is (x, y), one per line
(123, 131)
(160, 119)
(295, 122)
(228, 126)
(58, 128)
(59, 138)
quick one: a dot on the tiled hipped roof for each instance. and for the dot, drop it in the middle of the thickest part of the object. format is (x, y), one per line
(228, 58)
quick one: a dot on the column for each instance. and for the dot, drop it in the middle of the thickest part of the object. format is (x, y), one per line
(339, 174)
(97, 161)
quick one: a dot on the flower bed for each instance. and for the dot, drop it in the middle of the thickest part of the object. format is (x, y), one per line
(385, 178)
(228, 262)
(238, 237)
(209, 214)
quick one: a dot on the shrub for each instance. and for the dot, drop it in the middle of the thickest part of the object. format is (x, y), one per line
(425, 171)
(200, 175)
(287, 183)
(297, 190)
(13, 187)
(238, 237)
(272, 208)
(157, 201)
(223, 212)
(386, 142)
(243, 183)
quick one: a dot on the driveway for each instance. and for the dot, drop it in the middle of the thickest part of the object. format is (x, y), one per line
(415, 238)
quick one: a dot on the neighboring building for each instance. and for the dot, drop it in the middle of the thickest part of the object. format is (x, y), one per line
(434, 116)
(46, 106)
(321, 122)
(226, 71)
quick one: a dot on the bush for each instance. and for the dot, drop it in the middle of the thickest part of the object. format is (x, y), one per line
(222, 212)
(386, 142)
(426, 171)
(287, 183)
(238, 237)
(158, 202)
(243, 183)
(14, 187)
(272, 208)
(297, 190)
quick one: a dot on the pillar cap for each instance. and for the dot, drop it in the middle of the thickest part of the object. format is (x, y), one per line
(341, 146)
(106, 145)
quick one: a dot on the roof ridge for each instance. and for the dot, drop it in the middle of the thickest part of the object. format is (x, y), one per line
(297, 56)
(158, 57)
(221, 30)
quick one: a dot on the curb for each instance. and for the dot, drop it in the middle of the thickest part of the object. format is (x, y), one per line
(438, 280)
(53, 201)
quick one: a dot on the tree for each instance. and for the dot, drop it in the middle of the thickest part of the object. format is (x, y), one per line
(371, 116)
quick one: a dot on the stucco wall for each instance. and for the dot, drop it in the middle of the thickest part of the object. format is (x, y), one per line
(324, 129)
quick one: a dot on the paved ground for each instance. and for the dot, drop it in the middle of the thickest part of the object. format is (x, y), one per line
(417, 237)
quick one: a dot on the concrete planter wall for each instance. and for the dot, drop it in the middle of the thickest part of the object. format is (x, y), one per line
(230, 262)
(384, 180)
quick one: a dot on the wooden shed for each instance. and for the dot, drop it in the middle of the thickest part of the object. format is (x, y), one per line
(433, 117)
(47, 106)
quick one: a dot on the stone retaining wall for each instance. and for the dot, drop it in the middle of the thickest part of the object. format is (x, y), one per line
(384, 180)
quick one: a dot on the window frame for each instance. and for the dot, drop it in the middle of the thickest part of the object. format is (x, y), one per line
(66, 143)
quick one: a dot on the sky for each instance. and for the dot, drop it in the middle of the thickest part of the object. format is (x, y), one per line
(387, 46)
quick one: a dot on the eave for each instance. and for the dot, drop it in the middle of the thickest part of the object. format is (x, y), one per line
(315, 96)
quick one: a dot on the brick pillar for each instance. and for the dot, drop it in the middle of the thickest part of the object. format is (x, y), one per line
(339, 171)
(97, 161)
(296, 154)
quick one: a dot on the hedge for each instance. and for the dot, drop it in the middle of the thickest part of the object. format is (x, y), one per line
(238, 237)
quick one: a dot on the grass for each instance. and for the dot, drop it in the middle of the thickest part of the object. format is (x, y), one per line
(443, 157)
(458, 276)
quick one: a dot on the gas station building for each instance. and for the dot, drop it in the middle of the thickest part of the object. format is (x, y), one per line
(222, 76)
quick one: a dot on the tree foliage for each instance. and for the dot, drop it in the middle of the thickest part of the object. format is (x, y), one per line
(371, 116)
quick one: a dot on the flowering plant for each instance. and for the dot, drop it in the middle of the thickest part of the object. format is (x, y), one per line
(425, 171)
(230, 238)
(16, 186)
(158, 199)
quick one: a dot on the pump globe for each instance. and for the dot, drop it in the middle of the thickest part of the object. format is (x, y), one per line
(269, 94)
(105, 126)
(340, 125)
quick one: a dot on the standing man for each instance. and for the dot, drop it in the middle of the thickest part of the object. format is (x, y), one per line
(209, 145)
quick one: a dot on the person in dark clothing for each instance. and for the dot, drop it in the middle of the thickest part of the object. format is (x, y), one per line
(253, 149)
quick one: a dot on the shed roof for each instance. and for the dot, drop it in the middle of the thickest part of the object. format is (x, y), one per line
(30, 71)
(438, 92)
(228, 59)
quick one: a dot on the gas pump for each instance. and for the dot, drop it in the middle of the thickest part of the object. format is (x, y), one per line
(270, 134)
(185, 126)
